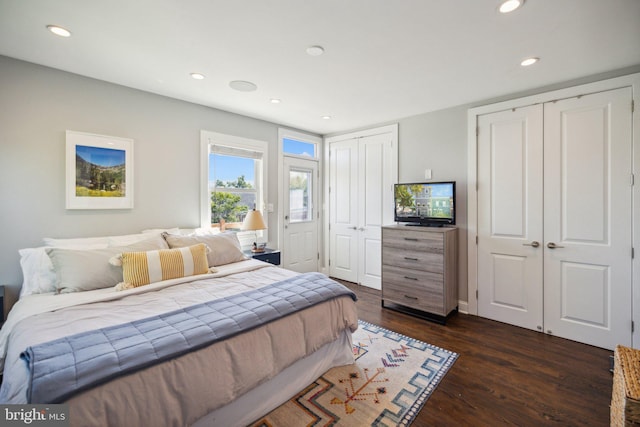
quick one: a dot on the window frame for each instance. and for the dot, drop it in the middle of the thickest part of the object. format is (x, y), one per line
(208, 139)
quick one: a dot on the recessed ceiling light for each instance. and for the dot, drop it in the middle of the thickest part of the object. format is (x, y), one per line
(326, 117)
(510, 5)
(529, 61)
(315, 50)
(197, 76)
(59, 31)
(275, 101)
(243, 86)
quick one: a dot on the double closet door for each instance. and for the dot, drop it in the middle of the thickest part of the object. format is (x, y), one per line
(362, 171)
(555, 217)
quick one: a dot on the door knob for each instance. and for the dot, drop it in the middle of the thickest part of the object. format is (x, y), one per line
(353, 228)
(534, 244)
(552, 245)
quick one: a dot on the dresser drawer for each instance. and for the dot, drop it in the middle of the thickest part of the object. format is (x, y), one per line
(415, 260)
(429, 242)
(419, 281)
(419, 290)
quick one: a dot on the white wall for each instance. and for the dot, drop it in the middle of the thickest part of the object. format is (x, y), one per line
(37, 106)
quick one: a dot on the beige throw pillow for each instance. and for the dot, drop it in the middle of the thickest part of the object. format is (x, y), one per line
(224, 248)
(86, 270)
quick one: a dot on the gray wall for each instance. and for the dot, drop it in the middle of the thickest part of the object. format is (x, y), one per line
(37, 106)
(438, 141)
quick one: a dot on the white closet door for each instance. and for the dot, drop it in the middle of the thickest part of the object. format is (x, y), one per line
(362, 171)
(343, 209)
(587, 216)
(375, 206)
(510, 250)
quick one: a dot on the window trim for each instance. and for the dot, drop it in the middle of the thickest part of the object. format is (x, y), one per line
(208, 139)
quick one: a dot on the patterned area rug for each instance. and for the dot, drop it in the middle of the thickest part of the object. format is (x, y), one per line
(391, 379)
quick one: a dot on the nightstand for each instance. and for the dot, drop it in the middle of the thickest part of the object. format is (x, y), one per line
(272, 256)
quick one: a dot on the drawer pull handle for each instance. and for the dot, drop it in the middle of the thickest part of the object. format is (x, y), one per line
(411, 239)
(410, 297)
(410, 259)
(410, 278)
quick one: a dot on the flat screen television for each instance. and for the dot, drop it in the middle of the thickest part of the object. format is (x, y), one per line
(425, 203)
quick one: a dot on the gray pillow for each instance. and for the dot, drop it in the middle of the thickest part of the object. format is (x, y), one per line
(224, 248)
(85, 270)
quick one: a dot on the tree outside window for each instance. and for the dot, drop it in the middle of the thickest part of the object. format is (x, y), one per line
(233, 186)
(229, 204)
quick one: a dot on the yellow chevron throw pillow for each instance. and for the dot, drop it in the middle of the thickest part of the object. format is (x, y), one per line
(142, 268)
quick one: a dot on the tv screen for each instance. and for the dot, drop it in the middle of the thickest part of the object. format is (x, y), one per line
(425, 203)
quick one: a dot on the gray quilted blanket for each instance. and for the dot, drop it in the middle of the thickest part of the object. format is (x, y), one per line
(66, 366)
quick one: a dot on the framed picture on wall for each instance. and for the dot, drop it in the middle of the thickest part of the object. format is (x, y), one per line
(99, 171)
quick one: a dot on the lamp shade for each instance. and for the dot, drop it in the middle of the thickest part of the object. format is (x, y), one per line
(253, 221)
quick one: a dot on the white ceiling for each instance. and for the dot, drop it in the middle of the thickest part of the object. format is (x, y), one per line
(383, 60)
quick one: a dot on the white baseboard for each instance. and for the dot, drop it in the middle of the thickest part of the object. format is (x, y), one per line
(463, 307)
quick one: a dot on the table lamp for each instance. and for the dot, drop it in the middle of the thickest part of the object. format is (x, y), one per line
(254, 222)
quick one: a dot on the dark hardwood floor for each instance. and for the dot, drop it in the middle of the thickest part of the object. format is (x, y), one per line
(504, 375)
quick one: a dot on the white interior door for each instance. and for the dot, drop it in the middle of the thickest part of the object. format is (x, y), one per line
(301, 215)
(375, 192)
(587, 217)
(510, 247)
(343, 209)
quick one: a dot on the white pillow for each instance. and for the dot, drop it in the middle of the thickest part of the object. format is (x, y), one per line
(205, 231)
(37, 272)
(174, 230)
(130, 239)
(78, 243)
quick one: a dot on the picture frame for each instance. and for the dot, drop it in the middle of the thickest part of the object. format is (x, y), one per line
(99, 171)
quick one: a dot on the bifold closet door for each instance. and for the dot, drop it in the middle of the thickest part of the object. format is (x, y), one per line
(510, 230)
(588, 218)
(362, 172)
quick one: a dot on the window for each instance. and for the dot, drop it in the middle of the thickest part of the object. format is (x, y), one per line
(233, 185)
(298, 148)
(300, 187)
(233, 181)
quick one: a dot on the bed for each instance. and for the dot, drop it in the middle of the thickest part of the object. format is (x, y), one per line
(231, 380)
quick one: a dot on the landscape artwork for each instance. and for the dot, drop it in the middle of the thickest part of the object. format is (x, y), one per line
(99, 171)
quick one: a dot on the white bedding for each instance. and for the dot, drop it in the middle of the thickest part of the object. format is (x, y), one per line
(92, 309)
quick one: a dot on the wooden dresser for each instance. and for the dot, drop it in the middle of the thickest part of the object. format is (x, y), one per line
(419, 269)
